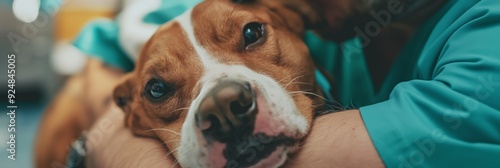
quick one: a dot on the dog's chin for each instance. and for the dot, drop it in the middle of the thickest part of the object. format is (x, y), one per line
(257, 151)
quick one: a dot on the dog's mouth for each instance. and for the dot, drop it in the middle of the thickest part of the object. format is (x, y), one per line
(246, 152)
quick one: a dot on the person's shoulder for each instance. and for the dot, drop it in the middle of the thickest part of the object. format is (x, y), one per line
(458, 14)
(478, 6)
(455, 14)
(468, 7)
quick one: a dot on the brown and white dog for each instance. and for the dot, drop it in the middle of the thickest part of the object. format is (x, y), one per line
(226, 84)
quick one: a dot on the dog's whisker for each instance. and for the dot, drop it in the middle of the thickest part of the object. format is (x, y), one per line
(180, 154)
(163, 129)
(314, 94)
(176, 160)
(166, 142)
(175, 163)
(172, 151)
(281, 80)
(301, 144)
(308, 93)
(299, 83)
(304, 83)
(292, 81)
(333, 107)
(352, 104)
(184, 108)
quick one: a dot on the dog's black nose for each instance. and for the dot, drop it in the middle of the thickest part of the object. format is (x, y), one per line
(227, 111)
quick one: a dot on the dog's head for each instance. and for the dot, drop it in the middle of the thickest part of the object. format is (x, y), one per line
(226, 83)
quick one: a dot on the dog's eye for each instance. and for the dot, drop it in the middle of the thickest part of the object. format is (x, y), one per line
(156, 89)
(253, 32)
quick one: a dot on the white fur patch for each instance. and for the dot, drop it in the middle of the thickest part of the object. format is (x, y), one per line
(185, 22)
(133, 31)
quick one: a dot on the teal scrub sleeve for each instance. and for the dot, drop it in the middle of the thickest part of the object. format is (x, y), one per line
(100, 38)
(453, 118)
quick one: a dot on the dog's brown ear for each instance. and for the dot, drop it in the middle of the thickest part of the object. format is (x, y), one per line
(123, 93)
(299, 15)
(135, 116)
(307, 10)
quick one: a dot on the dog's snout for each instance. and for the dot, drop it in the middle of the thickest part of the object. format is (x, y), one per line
(229, 108)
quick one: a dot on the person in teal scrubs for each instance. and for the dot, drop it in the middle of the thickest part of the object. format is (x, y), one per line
(438, 106)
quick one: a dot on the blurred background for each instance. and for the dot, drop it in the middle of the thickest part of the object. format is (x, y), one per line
(37, 31)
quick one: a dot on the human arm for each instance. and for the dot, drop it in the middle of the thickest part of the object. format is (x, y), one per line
(111, 145)
(343, 138)
(337, 140)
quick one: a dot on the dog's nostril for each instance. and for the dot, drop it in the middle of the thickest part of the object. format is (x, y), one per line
(247, 86)
(244, 102)
(240, 109)
(214, 122)
(202, 123)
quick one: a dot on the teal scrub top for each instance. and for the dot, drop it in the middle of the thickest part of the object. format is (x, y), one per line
(439, 105)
